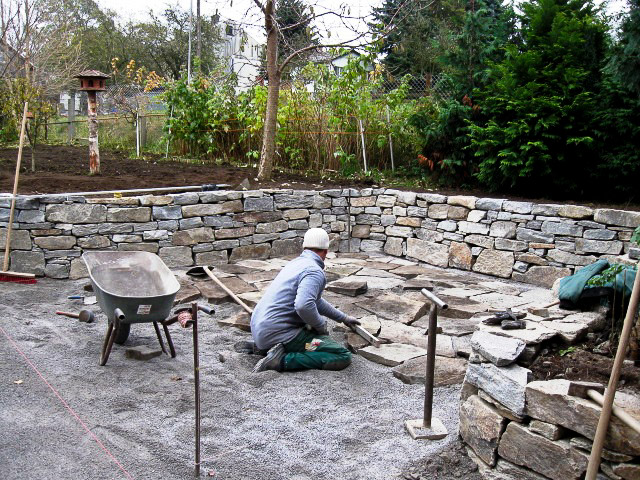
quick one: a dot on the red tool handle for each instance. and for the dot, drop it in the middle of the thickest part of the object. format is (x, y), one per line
(68, 314)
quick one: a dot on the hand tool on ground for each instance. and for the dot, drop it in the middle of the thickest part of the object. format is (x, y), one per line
(84, 316)
(6, 275)
(427, 428)
(499, 317)
(605, 414)
(594, 391)
(197, 272)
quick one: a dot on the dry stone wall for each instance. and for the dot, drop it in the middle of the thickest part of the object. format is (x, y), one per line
(534, 243)
(517, 428)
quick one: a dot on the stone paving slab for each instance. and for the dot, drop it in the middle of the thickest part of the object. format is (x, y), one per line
(455, 327)
(391, 354)
(395, 307)
(447, 371)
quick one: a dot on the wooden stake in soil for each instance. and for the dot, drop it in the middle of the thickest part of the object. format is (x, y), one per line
(605, 414)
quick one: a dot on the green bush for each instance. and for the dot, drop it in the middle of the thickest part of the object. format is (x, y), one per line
(538, 107)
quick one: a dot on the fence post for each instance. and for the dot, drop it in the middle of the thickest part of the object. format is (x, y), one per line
(393, 167)
(71, 117)
(364, 153)
(143, 131)
(137, 135)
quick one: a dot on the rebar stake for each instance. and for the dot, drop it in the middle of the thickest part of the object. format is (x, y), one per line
(428, 428)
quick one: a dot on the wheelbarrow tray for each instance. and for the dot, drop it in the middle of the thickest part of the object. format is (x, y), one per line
(138, 283)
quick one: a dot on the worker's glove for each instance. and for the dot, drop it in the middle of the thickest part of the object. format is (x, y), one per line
(351, 322)
(322, 330)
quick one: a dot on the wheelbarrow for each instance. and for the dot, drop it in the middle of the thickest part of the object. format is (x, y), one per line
(132, 287)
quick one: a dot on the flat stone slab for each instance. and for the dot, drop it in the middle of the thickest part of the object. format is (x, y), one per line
(500, 301)
(462, 307)
(447, 371)
(498, 350)
(550, 402)
(375, 283)
(456, 327)
(411, 271)
(187, 293)
(534, 333)
(505, 384)
(254, 277)
(500, 287)
(391, 354)
(461, 292)
(343, 270)
(142, 352)
(418, 431)
(251, 298)
(351, 288)
(418, 283)
(569, 332)
(396, 332)
(395, 307)
(240, 320)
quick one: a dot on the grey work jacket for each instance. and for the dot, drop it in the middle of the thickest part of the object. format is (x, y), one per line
(292, 301)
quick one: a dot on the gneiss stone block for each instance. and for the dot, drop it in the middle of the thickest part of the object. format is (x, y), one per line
(498, 350)
(505, 384)
(480, 427)
(142, 352)
(556, 460)
(550, 402)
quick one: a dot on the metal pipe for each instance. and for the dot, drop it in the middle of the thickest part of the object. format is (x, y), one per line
(431, 361)
(434, 299)
(196, 377)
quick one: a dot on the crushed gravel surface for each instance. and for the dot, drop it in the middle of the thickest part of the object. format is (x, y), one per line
(138, 416)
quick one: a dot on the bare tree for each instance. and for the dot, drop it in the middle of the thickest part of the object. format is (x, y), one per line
(315, 14)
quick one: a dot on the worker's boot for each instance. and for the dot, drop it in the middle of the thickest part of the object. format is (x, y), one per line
(245, 346)
(273, 361)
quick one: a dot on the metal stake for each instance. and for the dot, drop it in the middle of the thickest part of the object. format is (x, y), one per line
(427, 427)
(196, 376)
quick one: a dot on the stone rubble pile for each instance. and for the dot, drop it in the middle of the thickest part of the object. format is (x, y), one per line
(517, 428)
(524, 241)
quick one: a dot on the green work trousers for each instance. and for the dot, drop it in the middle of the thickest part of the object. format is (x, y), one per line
(327, 355)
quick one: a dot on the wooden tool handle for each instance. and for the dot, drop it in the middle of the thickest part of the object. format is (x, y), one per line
(605, 415)
(68, 314)
(617, 411)
(231, 294)
(7, 247)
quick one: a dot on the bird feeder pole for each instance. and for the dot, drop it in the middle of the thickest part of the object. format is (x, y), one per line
(92, 82)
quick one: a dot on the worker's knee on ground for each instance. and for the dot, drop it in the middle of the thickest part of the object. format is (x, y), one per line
(341, 362)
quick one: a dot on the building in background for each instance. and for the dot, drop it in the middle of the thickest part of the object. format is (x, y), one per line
(241, 52)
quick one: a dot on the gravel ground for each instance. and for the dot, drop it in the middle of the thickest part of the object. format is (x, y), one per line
(298, 426)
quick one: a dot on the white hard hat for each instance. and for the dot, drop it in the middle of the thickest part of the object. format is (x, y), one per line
(316, 238)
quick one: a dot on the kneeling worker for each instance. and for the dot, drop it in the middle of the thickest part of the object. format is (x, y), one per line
(288, 321)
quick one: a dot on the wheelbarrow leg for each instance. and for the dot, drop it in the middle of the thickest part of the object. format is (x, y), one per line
(157, 329)
(108, 344)
(169, 341)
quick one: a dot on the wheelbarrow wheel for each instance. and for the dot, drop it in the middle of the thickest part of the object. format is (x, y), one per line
(122, 333)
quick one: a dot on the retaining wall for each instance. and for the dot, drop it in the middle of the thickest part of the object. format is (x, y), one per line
(534, 243)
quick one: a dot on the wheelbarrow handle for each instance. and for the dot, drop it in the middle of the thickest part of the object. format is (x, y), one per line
(206, 309)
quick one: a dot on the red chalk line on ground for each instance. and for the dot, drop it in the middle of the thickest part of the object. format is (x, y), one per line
(66, 405)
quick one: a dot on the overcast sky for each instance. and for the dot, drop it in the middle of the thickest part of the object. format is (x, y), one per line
(246, 12)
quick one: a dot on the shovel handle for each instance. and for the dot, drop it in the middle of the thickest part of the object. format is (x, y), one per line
(231, 294)
(68, 314)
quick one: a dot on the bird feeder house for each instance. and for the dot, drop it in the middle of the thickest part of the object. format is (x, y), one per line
(93, 81)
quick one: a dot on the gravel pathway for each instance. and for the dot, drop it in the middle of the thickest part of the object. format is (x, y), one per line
(299, 426)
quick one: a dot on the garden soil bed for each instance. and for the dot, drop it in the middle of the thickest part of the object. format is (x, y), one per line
(63, 168)
(585, 366)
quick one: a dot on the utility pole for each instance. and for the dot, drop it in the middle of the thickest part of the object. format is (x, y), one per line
(198, 31)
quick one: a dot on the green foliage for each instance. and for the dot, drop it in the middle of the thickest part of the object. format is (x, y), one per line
(444, 131)
(414, 35)
(625, 61)
(564, 351)
(203, 112)
(538, 105)
(636, 236)
(605, 277)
